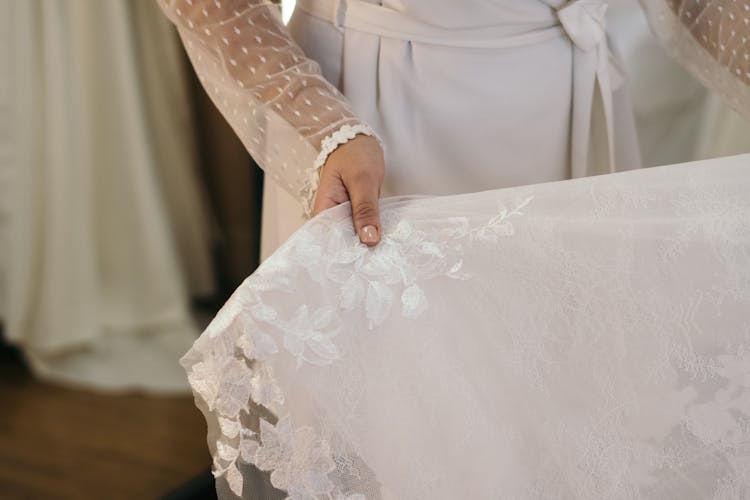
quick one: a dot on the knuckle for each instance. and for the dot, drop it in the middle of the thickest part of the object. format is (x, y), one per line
(365, 211)
(363, 177)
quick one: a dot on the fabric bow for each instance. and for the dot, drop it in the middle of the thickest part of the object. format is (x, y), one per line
(585, 22)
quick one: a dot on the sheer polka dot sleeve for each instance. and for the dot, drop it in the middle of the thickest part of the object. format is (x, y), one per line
(711, 38)
(286, 114)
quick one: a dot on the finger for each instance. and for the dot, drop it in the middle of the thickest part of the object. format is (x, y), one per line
(322, 202)
(363, 192)
(331, 192)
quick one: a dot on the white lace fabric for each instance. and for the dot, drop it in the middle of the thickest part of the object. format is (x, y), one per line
(586, 339)
(286, 114)
(711, 38)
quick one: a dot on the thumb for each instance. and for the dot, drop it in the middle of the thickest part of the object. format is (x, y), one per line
(363, 194)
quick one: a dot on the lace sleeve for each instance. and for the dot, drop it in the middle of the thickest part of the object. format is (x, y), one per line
(711, 38)
(286, 114)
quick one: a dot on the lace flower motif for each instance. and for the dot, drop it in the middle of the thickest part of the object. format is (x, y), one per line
(308, 336)
(248, 332)
(299, 462)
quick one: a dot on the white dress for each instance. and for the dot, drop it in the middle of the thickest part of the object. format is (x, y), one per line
(102, 226)
(444, 84)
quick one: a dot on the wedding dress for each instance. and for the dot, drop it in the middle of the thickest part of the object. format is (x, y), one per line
(586, 339)
(103, 230)
(577, 339)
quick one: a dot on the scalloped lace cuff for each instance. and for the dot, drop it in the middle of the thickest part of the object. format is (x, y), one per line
(327, 146)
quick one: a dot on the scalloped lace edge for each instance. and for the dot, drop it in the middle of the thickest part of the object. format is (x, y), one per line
(327, 146)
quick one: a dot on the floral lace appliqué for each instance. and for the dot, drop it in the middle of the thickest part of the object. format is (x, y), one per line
(374, 281)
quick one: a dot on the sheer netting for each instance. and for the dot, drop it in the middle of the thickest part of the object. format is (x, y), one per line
(587, 339)
(711, 38)
(286, 114)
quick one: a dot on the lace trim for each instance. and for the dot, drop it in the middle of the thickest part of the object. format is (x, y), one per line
(327, 146)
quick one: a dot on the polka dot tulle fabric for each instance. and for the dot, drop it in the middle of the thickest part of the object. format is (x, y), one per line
(711, 38)
(273, 96)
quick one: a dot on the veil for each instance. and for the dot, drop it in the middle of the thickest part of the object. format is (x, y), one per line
(580, 339)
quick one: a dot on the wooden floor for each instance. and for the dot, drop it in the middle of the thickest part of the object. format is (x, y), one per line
(58, 443)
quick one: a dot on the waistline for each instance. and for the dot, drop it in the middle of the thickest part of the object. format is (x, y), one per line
(386, 22)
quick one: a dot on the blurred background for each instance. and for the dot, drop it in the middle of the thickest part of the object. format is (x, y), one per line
(129, 212)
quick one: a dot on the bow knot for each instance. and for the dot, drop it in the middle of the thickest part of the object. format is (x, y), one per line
(585, 22)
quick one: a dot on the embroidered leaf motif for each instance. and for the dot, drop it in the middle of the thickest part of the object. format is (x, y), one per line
(265, 346)
(323, 317)
(413, 302)
(226, 451)
(229, 427)
(203, 380)
(454, 271)
(299, 462)
(313, 332)
(352, 293)
(324, 348)
(263, 312)
(248, 446)
(276, 446)
(234, 391)
(379, 300)
(264, 389)
(234, 479)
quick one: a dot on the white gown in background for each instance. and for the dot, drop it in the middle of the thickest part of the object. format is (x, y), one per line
(583, 339)
(103, 229)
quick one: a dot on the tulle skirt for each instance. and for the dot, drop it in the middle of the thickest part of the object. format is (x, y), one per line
(585, 339)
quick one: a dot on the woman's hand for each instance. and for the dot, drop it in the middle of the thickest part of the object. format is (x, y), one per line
(354, 172)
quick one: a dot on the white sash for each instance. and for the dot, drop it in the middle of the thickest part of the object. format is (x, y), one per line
(596, 73)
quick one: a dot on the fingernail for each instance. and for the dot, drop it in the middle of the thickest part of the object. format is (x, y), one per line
(368, 235)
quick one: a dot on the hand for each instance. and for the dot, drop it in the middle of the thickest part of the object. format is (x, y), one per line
(354, 172)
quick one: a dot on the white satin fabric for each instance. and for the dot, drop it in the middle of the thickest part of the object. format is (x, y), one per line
(446, 85)
(103, 229)
(585, 339)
